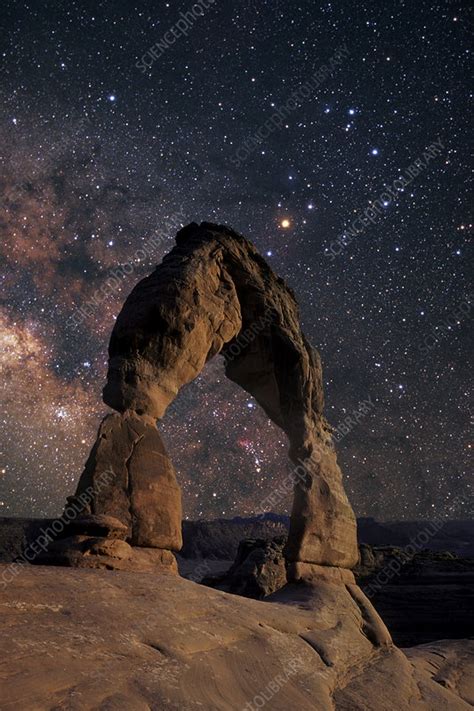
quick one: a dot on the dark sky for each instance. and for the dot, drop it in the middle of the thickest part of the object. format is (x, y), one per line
(99, 156)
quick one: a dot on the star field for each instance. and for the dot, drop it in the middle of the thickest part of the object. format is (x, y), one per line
(102, 161)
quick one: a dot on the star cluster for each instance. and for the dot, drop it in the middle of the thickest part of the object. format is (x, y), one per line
(102, 158)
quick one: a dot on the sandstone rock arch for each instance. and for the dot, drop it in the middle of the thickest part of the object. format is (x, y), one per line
(213, 293)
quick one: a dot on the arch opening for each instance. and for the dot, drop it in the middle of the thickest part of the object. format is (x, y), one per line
(228, 455)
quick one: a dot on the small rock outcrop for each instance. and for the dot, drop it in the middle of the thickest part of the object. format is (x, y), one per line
(82, 551)
(258, 570)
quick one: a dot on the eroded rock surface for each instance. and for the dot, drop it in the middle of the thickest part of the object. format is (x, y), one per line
(106, 553)
(96, 640)
(449, 663)
(126, 512)
(134, 481)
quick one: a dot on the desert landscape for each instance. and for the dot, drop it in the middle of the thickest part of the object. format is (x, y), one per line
(235, 356)
(95, 613)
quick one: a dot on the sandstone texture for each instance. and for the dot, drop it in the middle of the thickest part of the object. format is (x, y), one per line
(133, 480)
(107, 553)
(213, 293)
(126, 512)
(97, 525)
(99, 640)
(449, 663)
(431, 597)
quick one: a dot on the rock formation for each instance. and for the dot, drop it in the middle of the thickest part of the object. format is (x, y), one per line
(421, 596)
(258, 570)
(213, 293)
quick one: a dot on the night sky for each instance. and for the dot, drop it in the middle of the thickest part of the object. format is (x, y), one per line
(117, 126)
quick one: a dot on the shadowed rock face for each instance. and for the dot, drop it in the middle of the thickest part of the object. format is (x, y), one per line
(258, 570)
(213, 293)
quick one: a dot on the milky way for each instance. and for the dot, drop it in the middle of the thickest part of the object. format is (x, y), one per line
(291, 122)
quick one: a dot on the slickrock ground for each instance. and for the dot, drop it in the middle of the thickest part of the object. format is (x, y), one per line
(112, 641)
(421, 597)
(450, 663)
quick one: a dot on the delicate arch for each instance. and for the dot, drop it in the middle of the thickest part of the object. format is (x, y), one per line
(213, 293)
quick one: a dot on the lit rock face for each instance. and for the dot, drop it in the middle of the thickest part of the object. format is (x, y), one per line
(86, 640)
(213, 293)
(134, 481)
(126, 513)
